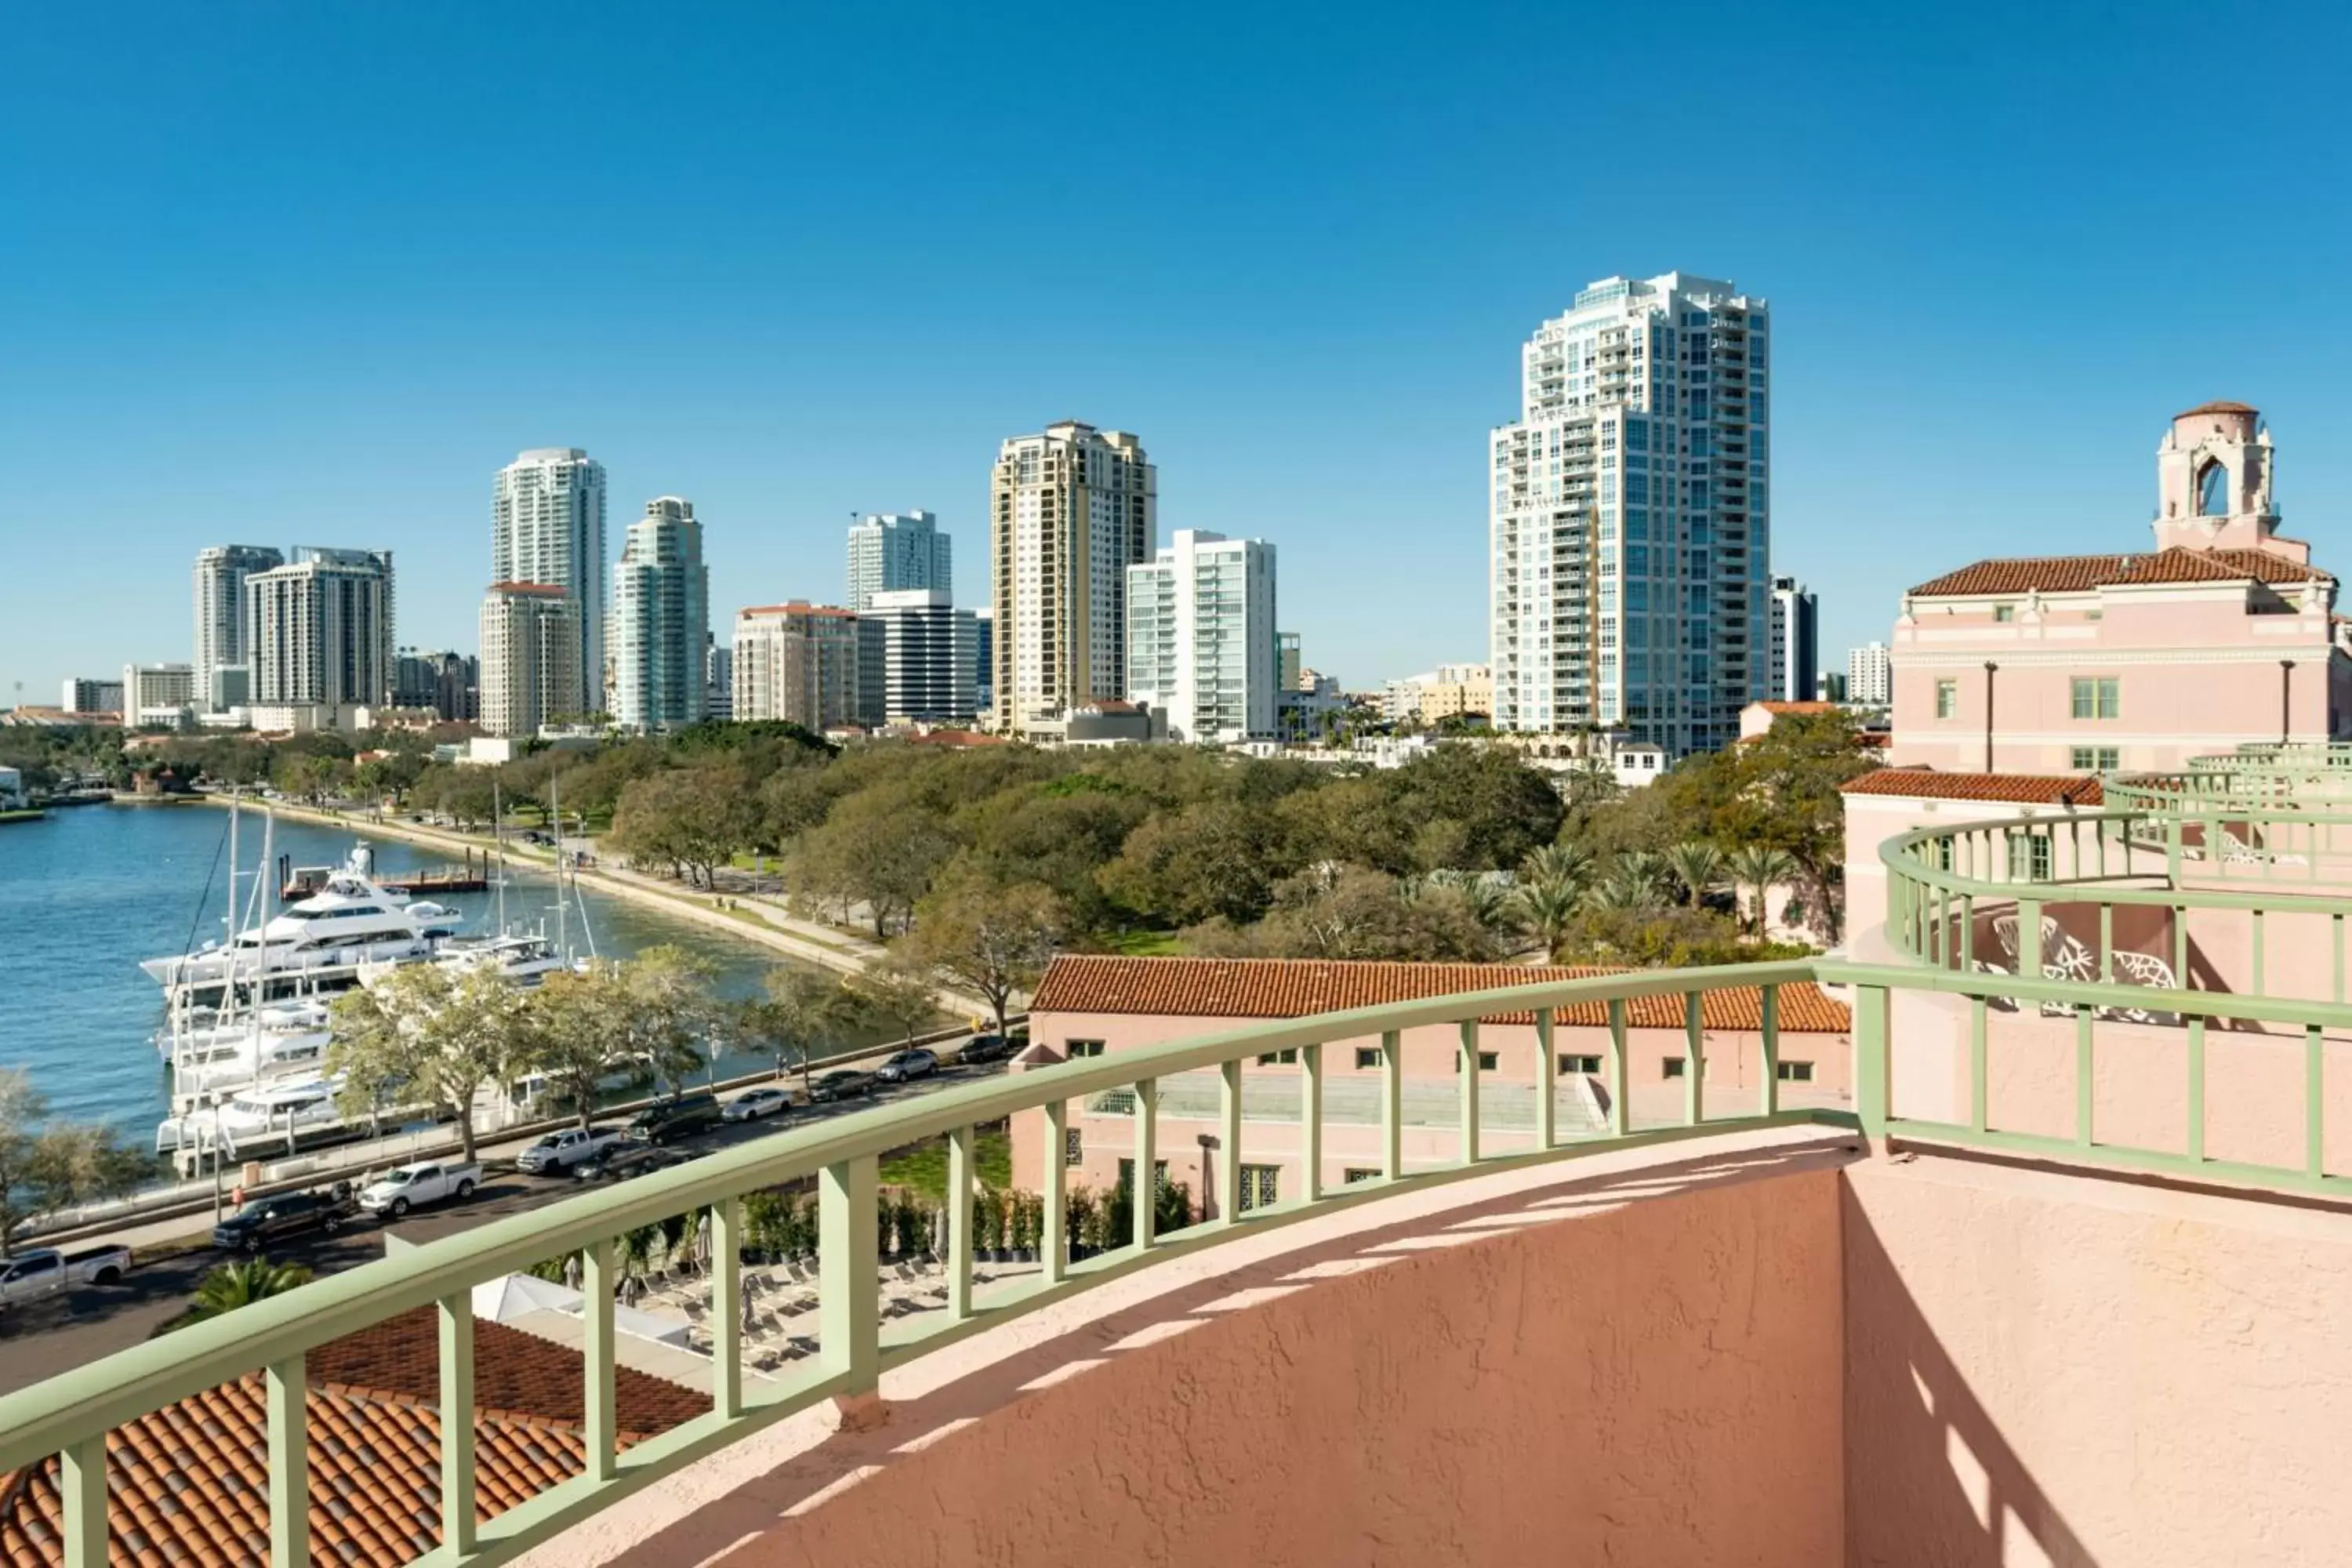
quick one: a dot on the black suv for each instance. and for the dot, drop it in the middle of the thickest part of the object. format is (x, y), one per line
(627, 1159)
(265, 1220)
(668, 1119)
(986, 1048)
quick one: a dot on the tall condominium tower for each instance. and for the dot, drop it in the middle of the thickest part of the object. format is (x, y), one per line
(1069, 512)
(927, 653)
(890, 552)
(800, 662)
(1870, 675)
(547, 526)
(223, 629)
(1201, 646)
(1629, 517)
(661, 619)
(530, 664)
(1795, 652)
(323, 631)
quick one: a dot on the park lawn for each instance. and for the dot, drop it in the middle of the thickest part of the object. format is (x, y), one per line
(1147, 943)
(925, 1167)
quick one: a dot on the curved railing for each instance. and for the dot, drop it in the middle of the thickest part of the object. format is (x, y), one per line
(71, 1415)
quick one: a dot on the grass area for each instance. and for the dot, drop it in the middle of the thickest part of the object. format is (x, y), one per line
(925, 1167)
(1147, 943)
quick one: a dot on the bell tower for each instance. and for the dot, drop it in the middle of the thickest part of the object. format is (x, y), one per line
(2213, 484)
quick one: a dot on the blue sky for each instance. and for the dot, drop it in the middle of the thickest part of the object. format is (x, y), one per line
(300, 273)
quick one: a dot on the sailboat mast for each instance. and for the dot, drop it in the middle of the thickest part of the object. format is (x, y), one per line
(562, 904)
(498, 838)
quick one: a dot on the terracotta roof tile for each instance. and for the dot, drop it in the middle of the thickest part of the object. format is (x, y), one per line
(189, 1483)
(2219, 406)
(2042, 789)
(1798, 707)
(2080, 573)
(1295, 988)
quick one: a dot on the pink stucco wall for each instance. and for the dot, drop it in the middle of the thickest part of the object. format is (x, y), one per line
(2197, 672)
(1653, 1382)
(2051, 1368)
(1734, 1078)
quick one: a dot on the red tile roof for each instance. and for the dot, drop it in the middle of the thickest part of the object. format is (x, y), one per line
(188, 1486)
(2220, 405)
(548, 590)
(1926, 783)
(1295, 988)
(797, 608)
(1798, 707)
(2080, 573)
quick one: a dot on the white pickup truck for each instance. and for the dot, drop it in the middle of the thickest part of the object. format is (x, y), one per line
(415, 1187)
(44, 1271)
(561, 1150)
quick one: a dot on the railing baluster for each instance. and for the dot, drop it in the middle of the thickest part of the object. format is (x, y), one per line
(1978, 1008)
(1694, 1061)
(2180, 946)
(1392, 1104)
(455, 1313)
(725, 1222)
(849, 1273)
(1310, 1121)
(2028, 938)
(2082, 1074)
(2106, 942)
(1469, 1145)
(1229, 1147)
(1055, 1261)
(287, 1391)
(601, 1423)
(1870, 1059)
(1967, 932)
(82, 1481)
(1547, 1089)
(1147, 1162)
(2336, 930)
(2256, 916)
(1769, 1033)
(2315, 1103)
(1055, 1156)
(1621, 1112)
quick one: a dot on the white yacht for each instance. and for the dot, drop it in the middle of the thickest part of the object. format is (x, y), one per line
(278, 1040)
(263, 1114)
(323, 938)
(522, 961)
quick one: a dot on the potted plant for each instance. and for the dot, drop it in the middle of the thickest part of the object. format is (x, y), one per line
(1024, 1228)
(984, 1227)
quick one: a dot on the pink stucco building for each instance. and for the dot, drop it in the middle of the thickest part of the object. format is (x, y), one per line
(1090, 1005)
(2219, 634)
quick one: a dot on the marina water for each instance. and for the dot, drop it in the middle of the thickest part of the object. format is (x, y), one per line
(88, 893)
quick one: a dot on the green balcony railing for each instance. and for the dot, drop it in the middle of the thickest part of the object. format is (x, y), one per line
(72, 1415)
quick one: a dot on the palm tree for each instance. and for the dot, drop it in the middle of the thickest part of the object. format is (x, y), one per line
(1646, 868)
(234, 1285)
(1699, 866)
(1759, 870)
(1624, 889)
(1547, 910)
(1568, 863)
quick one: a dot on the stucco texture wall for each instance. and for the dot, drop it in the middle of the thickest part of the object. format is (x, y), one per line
(1648, 1383)
(2090, 1374)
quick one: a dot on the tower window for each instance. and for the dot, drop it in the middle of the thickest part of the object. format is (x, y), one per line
(2213, 490)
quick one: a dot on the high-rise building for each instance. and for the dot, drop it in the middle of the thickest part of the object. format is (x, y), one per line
(1200, 643)
(87, 696)
(547, 526)
(661, 619)
(1449, 691)
(1870, 675)
(1795, 643)
(531, 657)
(890, 552)
(322, 630)
(799, 662)
(157, 693)
(446, 681)
(717, 677)
(1069, 512)
(1630, 518)
(1286, 660)
(223, 624)
(983, 660)
(928, 656)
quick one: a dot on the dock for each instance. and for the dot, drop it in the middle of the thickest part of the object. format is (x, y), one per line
(475, 878)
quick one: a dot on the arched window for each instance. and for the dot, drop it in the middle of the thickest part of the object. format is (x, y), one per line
(2213, 490)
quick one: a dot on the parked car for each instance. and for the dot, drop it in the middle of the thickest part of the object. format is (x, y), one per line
(908, 1064)
(559, 1152)
(752, 1104)
(630, 1157)
(982, 1048)
(675, 1117)
(414, 1186)
(283, 1215)
(840, 1084)
(45, 1270)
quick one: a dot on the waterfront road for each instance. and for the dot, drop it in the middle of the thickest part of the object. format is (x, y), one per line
(42, 1339)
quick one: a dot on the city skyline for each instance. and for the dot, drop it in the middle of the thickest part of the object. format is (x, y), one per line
(396, 313)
